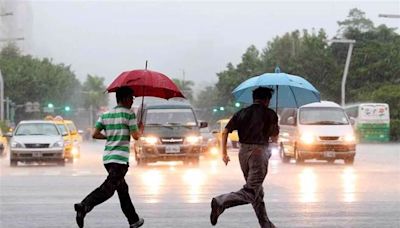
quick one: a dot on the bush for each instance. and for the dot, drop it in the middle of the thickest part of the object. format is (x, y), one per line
(395, 129)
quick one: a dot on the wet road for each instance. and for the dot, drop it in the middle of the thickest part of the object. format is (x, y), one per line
(315, 194)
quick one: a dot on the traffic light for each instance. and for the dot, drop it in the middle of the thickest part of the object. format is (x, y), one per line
(221, 108)
(237, 104)
(50, 105)
(67, 108)
(215, 110)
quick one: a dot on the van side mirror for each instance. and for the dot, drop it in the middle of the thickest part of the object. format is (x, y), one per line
(203, 124)
(352, 121)
(290, 120)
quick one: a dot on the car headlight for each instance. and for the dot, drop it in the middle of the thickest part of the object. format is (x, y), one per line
(307, 138)
(349, 138)
(193, 139)
(59, 143)
(149, 140)
(16, 145)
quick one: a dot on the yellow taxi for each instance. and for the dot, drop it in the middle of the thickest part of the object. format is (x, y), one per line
(3, 143)
(75, 137)
(233, 137)
(68, 139)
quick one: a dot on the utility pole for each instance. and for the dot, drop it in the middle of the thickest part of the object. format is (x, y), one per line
(389, 15)
(346, 66)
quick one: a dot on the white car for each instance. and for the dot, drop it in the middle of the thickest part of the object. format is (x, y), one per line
(319, 130)
(37, 141)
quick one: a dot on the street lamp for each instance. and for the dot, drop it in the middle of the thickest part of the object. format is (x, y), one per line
(346, 66)
(389, 15)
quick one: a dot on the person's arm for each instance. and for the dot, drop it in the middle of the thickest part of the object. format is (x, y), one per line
(98, 128)
(224, 139)
(98, 135)
(136, 130)
(275, 128)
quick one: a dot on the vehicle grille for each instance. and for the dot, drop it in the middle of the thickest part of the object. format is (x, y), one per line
(336, 148)
(172, 140)
(36, 145)
(328, 137)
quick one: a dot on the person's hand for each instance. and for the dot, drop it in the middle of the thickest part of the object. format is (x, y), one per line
(141, 126)
(225, 159)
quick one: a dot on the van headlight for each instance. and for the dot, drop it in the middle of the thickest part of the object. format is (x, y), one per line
(15, 144)
(349, 138)
(193, 139)
(307, 138)
(59, 144)
(151, 140)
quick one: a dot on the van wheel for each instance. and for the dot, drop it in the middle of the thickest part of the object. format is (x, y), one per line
(284, 158)
(349, 161)
(235, 144)
(299, 160)
(13, 163)
(330, 161)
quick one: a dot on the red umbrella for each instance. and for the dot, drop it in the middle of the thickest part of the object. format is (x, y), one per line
(146, 83)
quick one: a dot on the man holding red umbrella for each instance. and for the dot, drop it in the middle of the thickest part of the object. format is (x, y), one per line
(118, 124)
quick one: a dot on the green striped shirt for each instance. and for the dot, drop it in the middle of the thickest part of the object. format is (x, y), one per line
(118, 125)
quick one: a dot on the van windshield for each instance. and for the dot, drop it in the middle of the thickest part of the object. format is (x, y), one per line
(322, 116)
(37, 129)
(183, 117)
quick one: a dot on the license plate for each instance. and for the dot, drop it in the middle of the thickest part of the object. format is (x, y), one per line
(172, 149)
(329, 154)
(36, 154)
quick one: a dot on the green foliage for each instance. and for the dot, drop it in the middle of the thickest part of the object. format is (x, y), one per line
(31, 79)
(93, 92)
(395, 129)
(186, 86)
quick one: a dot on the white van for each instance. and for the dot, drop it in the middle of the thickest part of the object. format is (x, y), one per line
(319, 130)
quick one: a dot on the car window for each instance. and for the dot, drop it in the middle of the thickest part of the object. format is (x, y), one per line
(36, 129)
(323, 116)
(62, 128)
(170, 116)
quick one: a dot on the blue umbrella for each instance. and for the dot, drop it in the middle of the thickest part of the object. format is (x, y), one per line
(291, 91)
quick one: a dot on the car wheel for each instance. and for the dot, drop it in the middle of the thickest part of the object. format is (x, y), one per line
(349, 161)
(284, 158)
(13, 163)
(141, 162)
(61, 162)
(235, 144)
(299, 160)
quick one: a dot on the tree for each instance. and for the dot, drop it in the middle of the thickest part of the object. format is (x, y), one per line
(186, 86)
(93, 91)
(32, 79)
(356, 21)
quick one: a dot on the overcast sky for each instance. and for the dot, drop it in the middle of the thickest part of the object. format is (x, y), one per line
(200, 38)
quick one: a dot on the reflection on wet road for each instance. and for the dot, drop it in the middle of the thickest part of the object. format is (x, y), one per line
(366, 194)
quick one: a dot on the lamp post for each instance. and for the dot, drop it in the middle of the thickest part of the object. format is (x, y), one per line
(346, 66)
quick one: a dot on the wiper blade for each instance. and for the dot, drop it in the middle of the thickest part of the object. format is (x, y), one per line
(326, 123)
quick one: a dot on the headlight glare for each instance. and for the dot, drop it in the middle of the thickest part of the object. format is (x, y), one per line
(149, 140)
(307, 138)
(193, 139)
(349, 138)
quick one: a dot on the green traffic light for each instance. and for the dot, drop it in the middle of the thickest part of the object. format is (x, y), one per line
(50, 105)
(67, 108)
(237, 104)
(215, 110)
(221, 108)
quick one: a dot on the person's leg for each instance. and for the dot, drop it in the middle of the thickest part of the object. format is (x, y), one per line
(255, 182)
(105, 190)
(99, 195)
(125, 200)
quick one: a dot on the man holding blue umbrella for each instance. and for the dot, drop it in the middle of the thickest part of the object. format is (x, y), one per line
(255, 124)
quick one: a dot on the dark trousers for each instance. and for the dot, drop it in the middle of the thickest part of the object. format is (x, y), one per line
(115, 182)
(254, 164)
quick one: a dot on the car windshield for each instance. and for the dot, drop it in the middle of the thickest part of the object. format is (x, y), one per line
(62, 128)
(323, 116)
(183, 117)
(36, 129)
